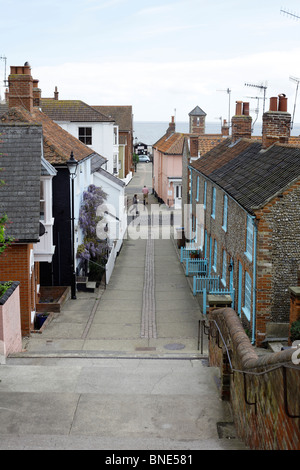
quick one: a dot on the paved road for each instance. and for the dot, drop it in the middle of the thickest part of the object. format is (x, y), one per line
(119, 369)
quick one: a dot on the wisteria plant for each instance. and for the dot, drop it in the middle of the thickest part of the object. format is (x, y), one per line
(92, 248)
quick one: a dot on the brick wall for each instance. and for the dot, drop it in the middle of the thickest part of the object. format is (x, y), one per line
(278, 256)
(15, 266)
(257, 399)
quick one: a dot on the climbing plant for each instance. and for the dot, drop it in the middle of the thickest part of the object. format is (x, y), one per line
(92, 249)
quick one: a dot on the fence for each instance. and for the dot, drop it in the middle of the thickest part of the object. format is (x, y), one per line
(208, 282)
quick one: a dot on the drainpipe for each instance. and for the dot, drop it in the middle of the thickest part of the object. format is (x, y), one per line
(254, 282)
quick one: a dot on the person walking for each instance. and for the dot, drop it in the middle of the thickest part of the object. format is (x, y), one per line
(145, 192)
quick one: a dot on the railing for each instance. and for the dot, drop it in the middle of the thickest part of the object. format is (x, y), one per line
(196, 266)
(207, 282)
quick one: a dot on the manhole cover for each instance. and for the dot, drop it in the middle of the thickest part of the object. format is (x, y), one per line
(174, 346)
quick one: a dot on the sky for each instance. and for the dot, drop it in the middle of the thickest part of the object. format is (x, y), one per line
(162, 57)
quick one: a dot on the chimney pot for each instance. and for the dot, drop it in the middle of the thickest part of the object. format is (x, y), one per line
(238, 109)
(282, 103)
(273, 103)
(246, 109)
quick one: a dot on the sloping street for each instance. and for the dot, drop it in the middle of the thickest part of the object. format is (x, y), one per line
(120, 368)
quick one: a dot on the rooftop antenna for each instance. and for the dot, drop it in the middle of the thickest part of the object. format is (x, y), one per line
(262, 88)
(293, 15)
(4, 58)
(229, 98)
(297, 80)
(256, 110)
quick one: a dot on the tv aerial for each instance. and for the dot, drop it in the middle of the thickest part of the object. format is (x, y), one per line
(296, 80)
(256, 110)
(229, 98)
(4, 58)
(263, 88)
(288, 13)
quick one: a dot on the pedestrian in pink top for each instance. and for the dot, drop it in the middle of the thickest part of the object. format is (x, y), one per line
(145, 192)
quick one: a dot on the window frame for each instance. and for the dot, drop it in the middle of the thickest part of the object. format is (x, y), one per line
(249, 238)
(213, 202)
(225, 212)
(85, 137)
(247, 296)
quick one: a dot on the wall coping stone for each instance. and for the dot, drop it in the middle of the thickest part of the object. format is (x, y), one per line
(245, 350)
(9, 292)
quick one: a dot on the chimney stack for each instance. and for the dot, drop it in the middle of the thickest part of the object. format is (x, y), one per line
(21, 87)
(171, 128)
(241, 122)
(225, 128)
(37, 94)
(276, 122)
(56, 94)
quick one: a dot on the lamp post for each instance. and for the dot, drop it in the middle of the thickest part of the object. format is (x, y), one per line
(72, 167)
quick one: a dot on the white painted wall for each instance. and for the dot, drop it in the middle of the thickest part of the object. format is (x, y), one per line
(103, 138)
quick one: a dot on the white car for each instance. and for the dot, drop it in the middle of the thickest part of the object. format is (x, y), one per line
(144, 158)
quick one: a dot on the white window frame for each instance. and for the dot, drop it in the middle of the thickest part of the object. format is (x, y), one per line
(213, 203)
(249, 238)
(248, 294)
(214, 266)
(224, 268)
(225, 213)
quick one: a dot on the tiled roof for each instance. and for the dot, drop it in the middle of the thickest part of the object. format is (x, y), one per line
(58, 143)
(170, 144)
(122, 115)
(197, 112)
(71, 110)
(207, 141)
(250, 175)
(21, 170)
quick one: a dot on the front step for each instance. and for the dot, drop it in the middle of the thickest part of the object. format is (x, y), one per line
(84, 285)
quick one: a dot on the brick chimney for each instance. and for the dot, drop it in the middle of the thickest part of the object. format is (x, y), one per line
(56, 94)
(241, 122)
(171, 128)
(225, 128)
(21, 87)
(36, 93)
(276, 122)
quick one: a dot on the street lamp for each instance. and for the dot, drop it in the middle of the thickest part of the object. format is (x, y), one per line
(72, 167)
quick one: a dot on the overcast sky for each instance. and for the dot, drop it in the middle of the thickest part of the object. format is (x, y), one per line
(156, 55)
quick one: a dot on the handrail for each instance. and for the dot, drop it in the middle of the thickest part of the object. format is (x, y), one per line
(283, 365)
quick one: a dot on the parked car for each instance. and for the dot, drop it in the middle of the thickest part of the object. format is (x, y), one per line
(144, 158)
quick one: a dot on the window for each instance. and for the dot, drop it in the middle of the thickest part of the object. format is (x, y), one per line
(224, 268)
(198, 184)
(249, 238)
(225, 210)
(248, 288)
(204, 196)
(215, 256)
(115, 136)
(115, 164)
(213, 203)
(85, 135)
(42, 201)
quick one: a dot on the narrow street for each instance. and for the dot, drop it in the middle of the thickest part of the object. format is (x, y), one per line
(119, 368)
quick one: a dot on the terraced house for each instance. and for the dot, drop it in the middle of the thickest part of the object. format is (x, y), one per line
(250, 193)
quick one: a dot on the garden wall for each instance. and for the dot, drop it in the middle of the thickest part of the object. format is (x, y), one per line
(264, 390)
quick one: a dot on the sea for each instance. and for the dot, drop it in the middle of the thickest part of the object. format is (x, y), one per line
(149, 132)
